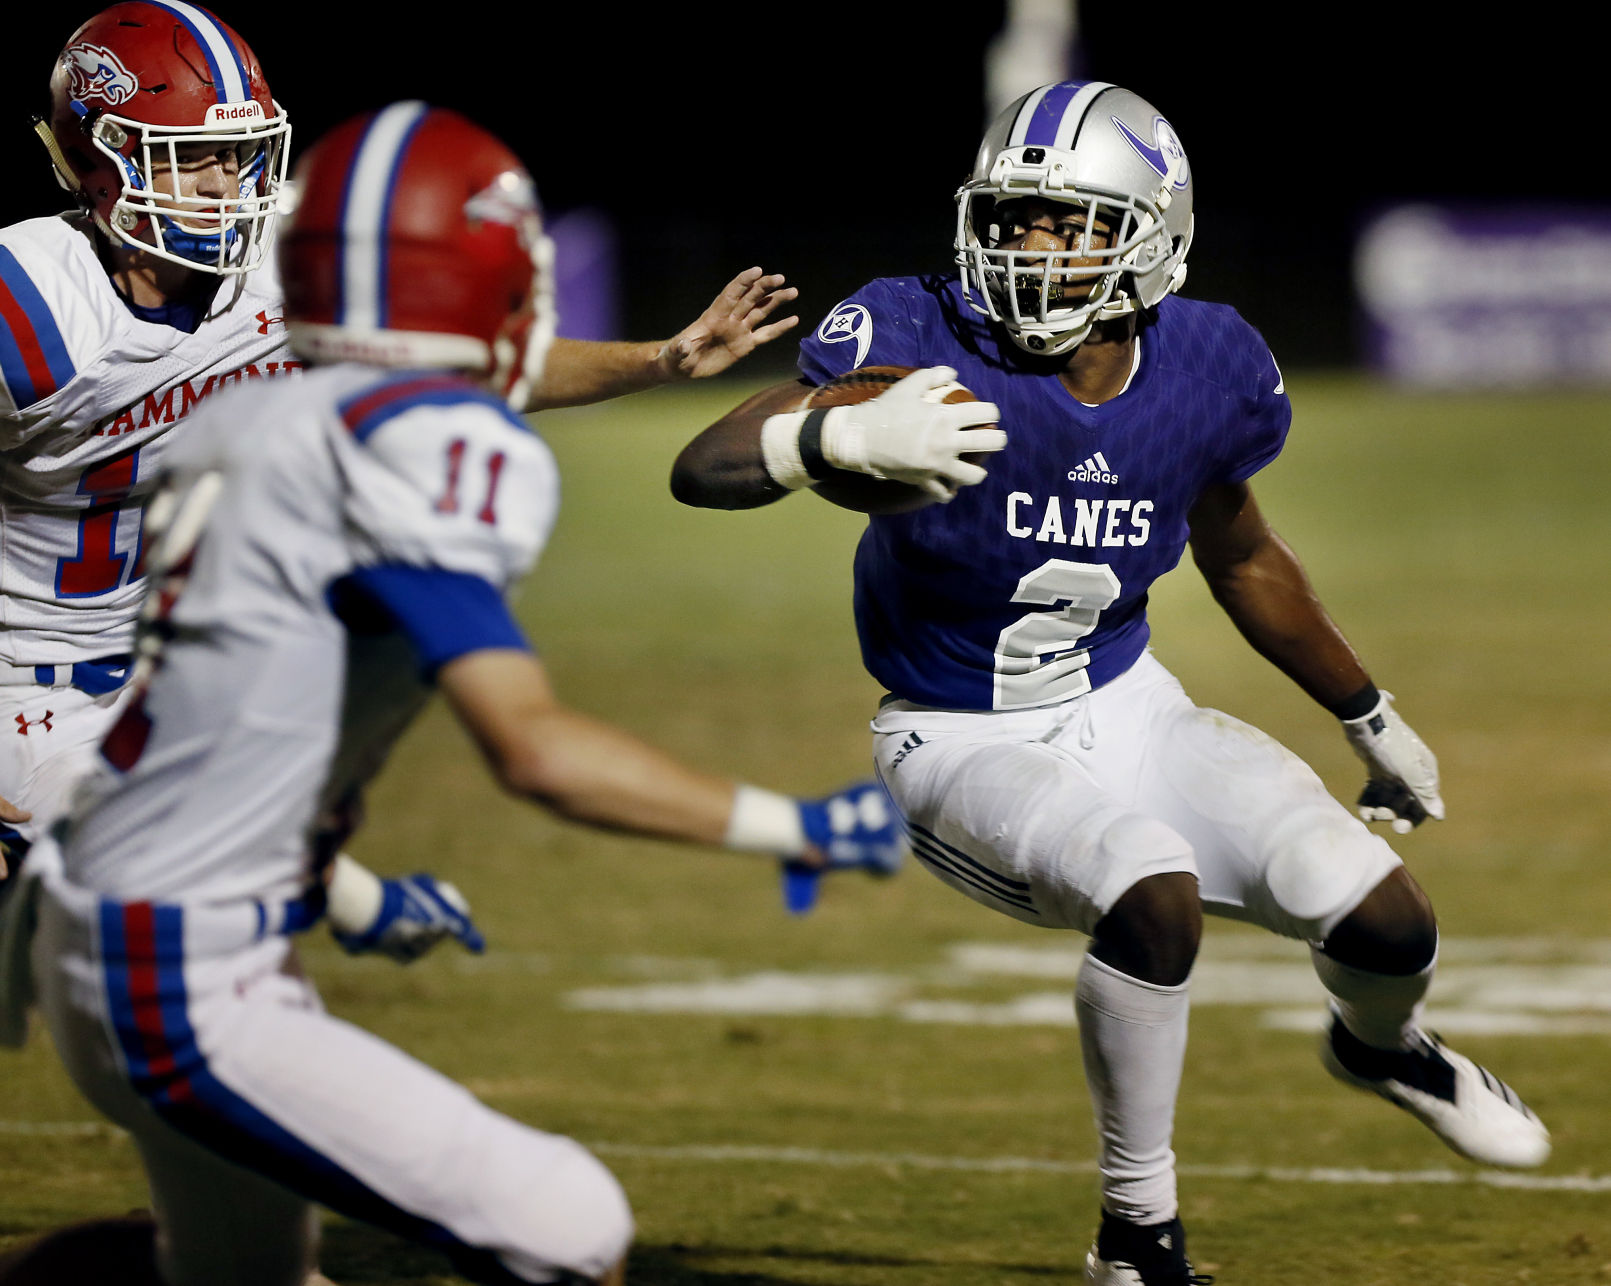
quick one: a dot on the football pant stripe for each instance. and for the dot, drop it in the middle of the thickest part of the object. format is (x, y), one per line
(990, 873)
(142, 947)
(956, 872)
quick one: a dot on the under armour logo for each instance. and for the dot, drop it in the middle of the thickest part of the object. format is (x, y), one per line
(264, 321)
(24, 723)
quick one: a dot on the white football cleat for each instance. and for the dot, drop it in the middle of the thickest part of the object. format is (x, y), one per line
(1465, 1105)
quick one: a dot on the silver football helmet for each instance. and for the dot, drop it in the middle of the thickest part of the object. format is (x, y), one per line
(1106, 152)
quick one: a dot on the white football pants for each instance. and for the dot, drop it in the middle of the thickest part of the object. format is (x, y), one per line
(1050, 815)
(192, 1029)
(49, 739)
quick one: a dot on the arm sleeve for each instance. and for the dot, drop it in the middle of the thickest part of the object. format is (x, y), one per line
(444, 614)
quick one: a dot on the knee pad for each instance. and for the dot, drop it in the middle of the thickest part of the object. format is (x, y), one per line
(1321, 866)
(1138, 846)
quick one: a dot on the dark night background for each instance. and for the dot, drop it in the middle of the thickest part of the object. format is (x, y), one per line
(826, 140)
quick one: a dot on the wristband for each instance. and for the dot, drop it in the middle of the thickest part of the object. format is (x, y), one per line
(763, 821)
(791, 448)
(353, 896)
(1358, 705)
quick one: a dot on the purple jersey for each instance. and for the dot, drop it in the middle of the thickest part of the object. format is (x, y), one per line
(1031, 587)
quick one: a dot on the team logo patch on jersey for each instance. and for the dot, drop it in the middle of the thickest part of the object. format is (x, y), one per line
(94, 72)
(848, 322)
(1164, 153)
(1095, 469)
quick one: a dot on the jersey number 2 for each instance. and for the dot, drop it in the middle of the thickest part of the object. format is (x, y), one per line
(1038, 657)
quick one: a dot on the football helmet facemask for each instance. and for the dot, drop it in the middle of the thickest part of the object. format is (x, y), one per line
(1109, 155)
(144, 90)
(416, 240)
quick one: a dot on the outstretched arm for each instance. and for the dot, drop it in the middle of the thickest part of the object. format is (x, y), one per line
(734, 325)
(1258, 580)
(592, 772)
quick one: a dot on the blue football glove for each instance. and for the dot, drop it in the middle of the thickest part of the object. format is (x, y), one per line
(856, 828)
(416, 913)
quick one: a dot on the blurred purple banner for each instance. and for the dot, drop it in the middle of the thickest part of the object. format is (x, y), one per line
(1465, 297)
(585, 277)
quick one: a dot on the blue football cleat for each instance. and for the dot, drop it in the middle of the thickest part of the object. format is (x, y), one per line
(856, 828)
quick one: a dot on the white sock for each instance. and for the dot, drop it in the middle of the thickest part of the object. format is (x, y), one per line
(1133, 1038)
(1382, 1009)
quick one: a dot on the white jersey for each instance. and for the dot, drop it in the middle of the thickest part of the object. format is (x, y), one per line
(88, 392)
(356, 527)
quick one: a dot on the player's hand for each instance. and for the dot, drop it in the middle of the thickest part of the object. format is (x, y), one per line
(9, 812)
(733, 327)
(1403, 774)
(416, 912)
(852, 829)
(909, 433)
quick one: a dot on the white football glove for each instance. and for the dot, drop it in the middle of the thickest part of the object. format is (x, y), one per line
(908, 433)
(1402, 785)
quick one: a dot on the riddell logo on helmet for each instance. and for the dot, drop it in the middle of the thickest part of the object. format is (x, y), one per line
(225, 113)
(94, 71)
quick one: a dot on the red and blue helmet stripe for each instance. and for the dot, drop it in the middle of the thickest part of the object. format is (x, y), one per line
(367, 201)
(231, 78)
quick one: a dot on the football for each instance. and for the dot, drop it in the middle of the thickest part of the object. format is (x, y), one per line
(858, 491)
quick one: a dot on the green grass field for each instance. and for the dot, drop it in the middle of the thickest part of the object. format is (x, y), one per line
(887, 1093)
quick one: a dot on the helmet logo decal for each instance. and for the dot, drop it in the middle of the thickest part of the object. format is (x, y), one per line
(94, 71)
(509, 199)
(1164, 153)
(847, 322)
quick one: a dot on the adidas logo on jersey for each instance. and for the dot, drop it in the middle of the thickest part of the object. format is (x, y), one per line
(1095, 469)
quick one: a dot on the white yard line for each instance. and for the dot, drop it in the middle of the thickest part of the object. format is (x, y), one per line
(718, 1154)
(721, 1154)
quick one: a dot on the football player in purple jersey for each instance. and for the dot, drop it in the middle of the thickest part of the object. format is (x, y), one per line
(1046, 763)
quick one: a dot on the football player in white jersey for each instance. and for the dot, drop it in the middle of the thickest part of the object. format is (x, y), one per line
(117, 320)
(324, 551)
(1047, 764)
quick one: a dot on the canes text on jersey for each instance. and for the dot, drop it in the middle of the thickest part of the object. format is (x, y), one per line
(1085, 522)
(160, 408)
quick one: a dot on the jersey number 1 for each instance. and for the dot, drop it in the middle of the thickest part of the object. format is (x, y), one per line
(449, 502)
(98, 566)
(1038, 657)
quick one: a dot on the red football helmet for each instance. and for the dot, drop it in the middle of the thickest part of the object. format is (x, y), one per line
(141, 90)
(417, 240)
